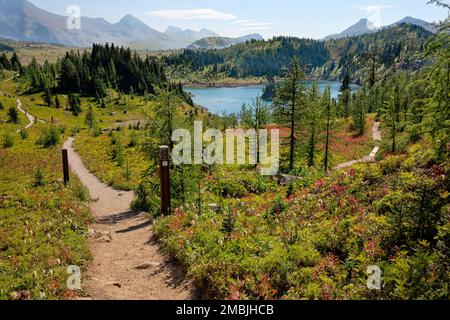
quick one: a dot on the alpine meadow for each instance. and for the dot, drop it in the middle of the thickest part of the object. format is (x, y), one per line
(134, 162)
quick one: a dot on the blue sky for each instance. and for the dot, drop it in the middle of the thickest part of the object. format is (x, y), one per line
(301, 18)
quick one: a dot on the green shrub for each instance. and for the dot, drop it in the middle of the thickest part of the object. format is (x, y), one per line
(13, 115)
(49, 137)
(117, 153)
(134, 139)
(8, 140)
(80, 192)
(231, 189)
(24, 134)
(75, 130)
(39, 178)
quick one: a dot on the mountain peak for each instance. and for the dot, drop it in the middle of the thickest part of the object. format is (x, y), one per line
(130, 20)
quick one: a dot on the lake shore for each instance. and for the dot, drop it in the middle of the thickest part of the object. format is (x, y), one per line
(225, 83)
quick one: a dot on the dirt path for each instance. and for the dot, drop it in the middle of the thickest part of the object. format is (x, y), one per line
(31, 119)
(127, 261)
(376, 136)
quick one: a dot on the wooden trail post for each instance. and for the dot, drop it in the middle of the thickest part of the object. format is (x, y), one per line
(65, 161)
(165, 180)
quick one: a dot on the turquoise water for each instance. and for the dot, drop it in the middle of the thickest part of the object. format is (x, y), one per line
(230, 100)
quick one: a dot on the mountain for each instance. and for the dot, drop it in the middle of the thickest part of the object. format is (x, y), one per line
(398, 48)
(23, 21)
(222, 42)
(186, 37)
(417, 22)
(363, 26)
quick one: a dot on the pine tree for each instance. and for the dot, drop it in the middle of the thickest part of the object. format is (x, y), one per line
(255, 116)
(47, 97)
(390, 112)
(74, 104)
(312, 120)
(167, 115)
(437, 108)
(57, 102)
(345, 96)
(13, 115)
(329, 118)
(15, 63)
(90, 119)
(359, 112)
(69, 79)
(289, 104)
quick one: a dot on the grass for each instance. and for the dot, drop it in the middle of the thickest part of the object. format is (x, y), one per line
(345, 146)
(43, 226)
(95, 152)
(319, 242)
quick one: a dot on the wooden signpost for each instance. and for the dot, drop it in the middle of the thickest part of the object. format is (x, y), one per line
(65, 161)
(165, 180)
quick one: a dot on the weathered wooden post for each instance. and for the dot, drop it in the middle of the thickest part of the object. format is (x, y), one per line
(165, 180)
(65, 161)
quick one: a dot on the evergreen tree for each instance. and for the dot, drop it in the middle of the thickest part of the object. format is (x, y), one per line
(289, 104)
(390, 117)
(74, 104)
(313, 122)
(57, 102)
(359, 112)
(329, 118)
(90, 119)
(15, 63)
(256, 116)
(167, 116)
(345, 96)
(13, 115)
(47, 97)
(69, 79)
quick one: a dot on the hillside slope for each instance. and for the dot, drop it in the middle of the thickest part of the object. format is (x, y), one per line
(394, 48)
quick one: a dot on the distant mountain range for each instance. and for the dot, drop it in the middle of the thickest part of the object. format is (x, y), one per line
(22, 21)
(222, 42)
(364, 26)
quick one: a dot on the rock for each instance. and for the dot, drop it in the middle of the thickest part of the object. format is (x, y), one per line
(104, 239)
(214, 207)
(149, 265)
(285, 179)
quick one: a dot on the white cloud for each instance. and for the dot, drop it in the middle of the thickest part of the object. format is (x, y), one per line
(258, 24)
(192, 14)
(376, 7)
(254, 28)
(240, 21)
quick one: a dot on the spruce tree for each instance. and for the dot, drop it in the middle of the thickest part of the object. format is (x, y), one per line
(329, 118)
(13, 115)
(47, 97)
(289, 103)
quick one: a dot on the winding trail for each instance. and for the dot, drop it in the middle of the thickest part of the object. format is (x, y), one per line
(31, 119)
(376, 136)
(127, 261)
